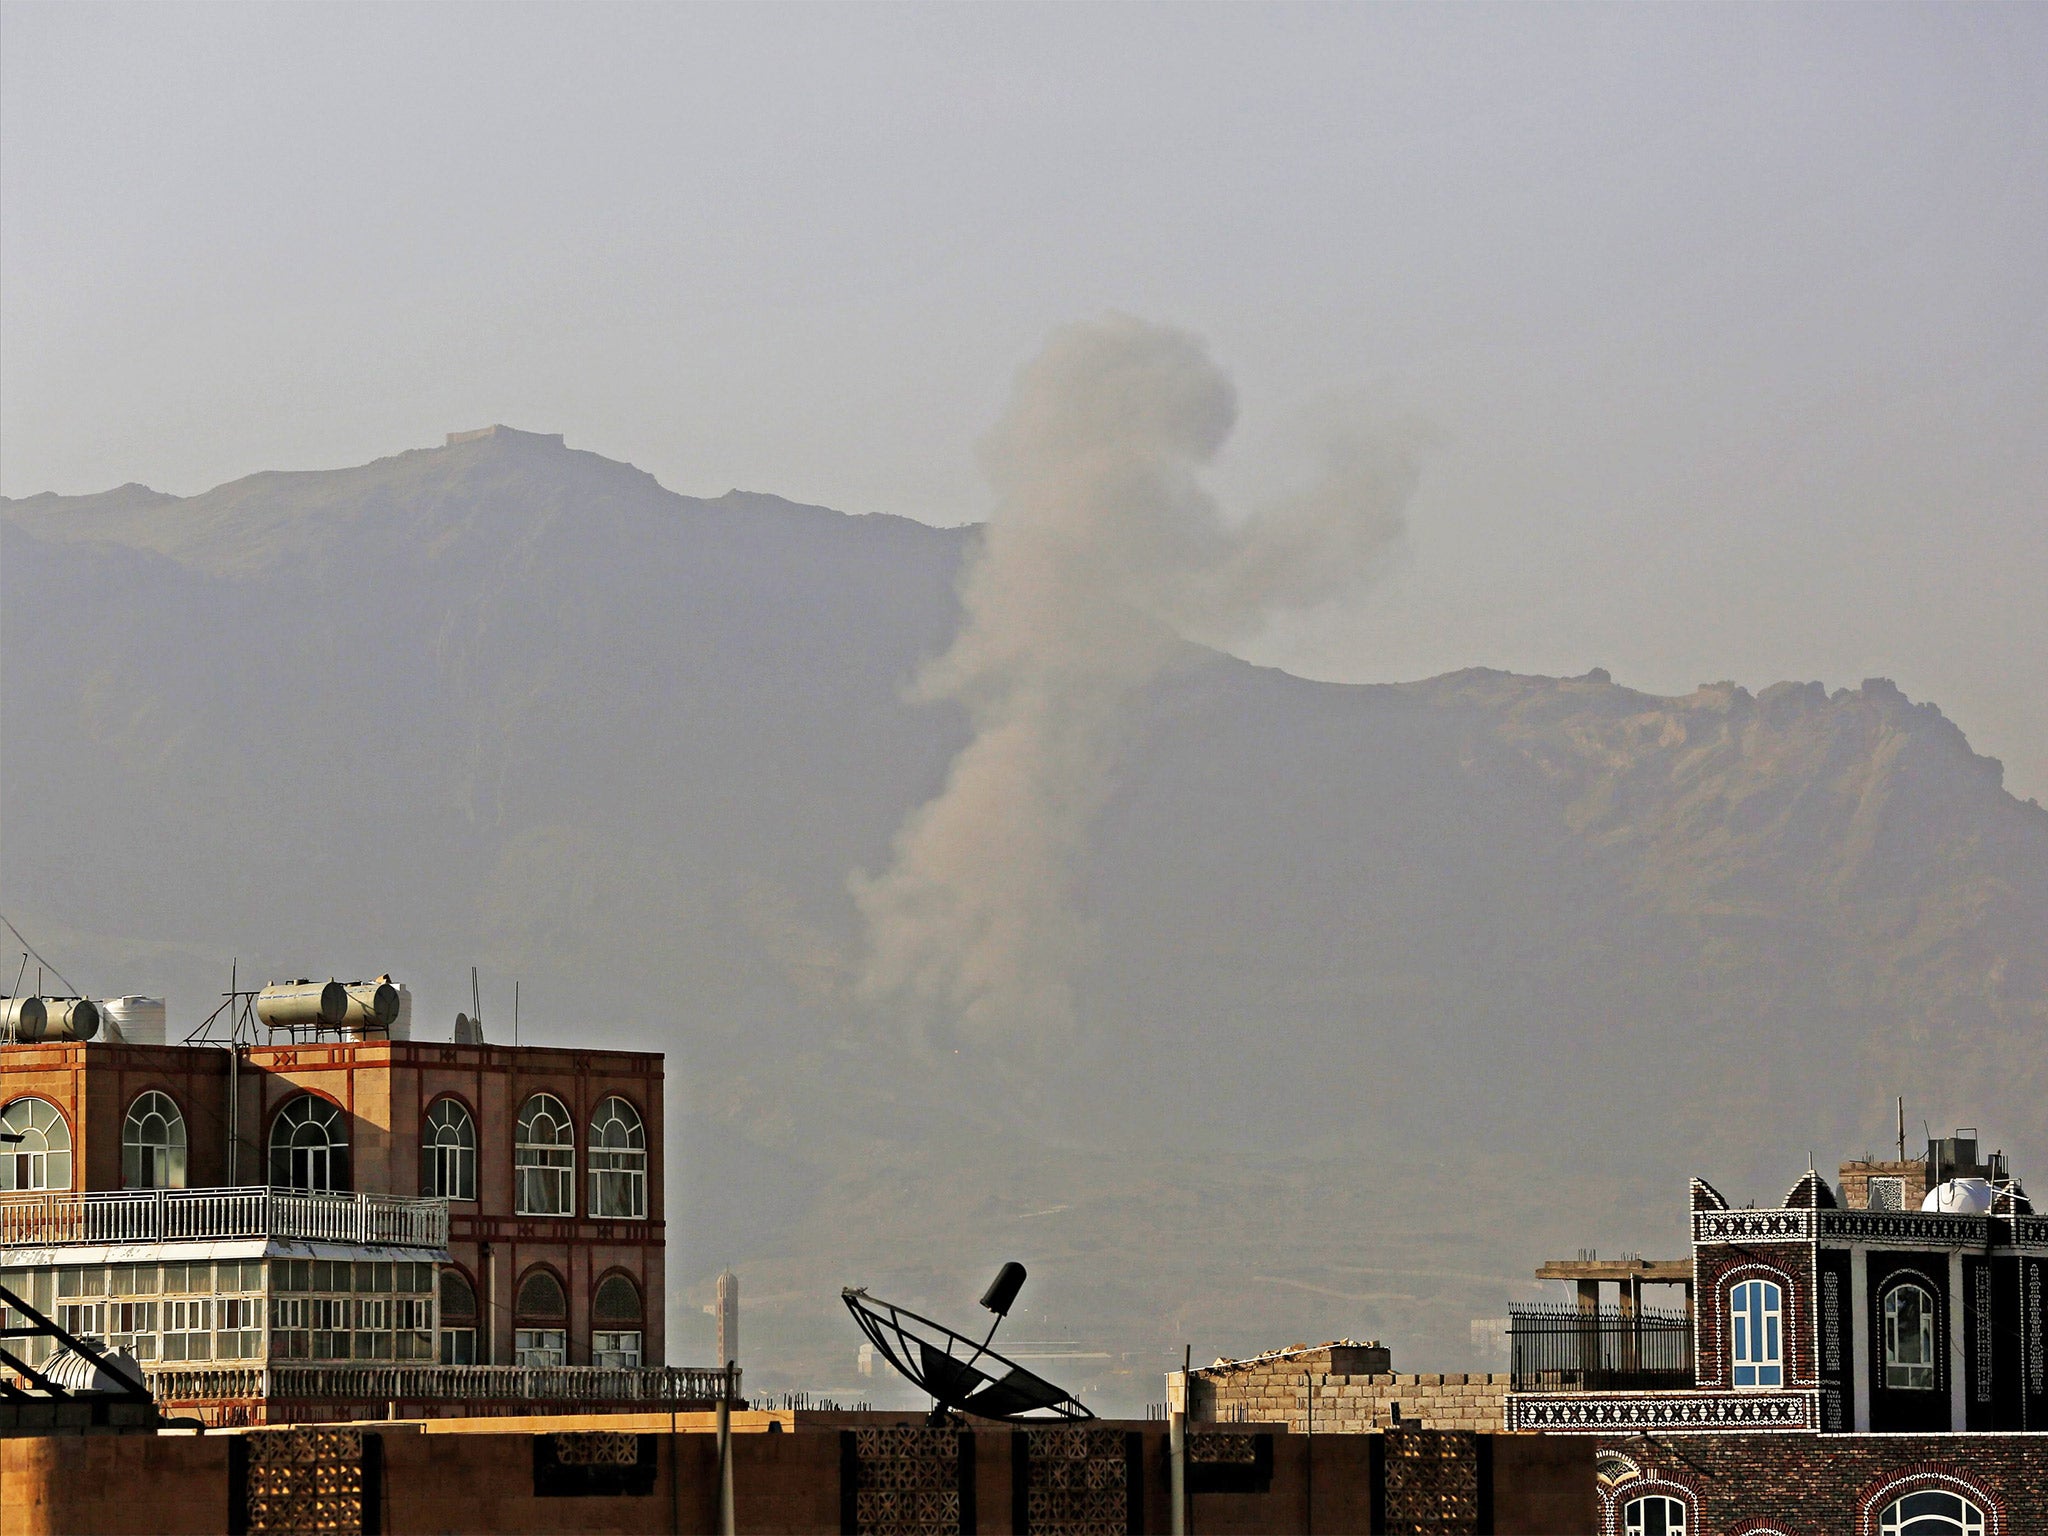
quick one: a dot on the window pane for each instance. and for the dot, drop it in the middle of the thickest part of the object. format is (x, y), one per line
(1909, 1339)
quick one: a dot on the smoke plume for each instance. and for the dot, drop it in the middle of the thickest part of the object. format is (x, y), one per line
(1103, 557)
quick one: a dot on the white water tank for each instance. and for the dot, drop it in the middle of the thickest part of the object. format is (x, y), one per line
(1959, 1197)
(135, 1020)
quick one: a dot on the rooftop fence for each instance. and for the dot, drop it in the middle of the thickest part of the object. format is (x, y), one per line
(545, 1387)
(1565, 1349)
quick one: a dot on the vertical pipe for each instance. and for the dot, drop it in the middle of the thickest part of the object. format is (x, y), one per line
(726, 1521)
(234, 1079)
(487, 1272)
(1308, 1454)
(1177, 1466)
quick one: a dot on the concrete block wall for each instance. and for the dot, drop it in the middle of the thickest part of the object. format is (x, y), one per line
(1276, 1389)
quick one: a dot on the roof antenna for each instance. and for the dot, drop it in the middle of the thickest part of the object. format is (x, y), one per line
(476, 999)
(1902, 1127)
(515, 1014)
(21, 973)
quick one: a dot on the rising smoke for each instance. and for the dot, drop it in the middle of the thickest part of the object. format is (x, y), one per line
(1103, 557)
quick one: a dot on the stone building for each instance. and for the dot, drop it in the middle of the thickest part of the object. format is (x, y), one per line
(1344, 1387)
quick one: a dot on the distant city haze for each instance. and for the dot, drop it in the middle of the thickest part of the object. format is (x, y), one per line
(1720, 331)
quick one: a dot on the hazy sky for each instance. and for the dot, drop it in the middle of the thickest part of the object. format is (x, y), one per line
(1726, 327)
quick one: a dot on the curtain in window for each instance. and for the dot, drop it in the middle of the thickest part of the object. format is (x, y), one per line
(544, 1159)
(153, 1144)
(448, 1152)
(618, 1161)
(1909, 1360)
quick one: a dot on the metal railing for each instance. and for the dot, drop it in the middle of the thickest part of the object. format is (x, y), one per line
(543, 1386)
(173, 1215)
(1566, 1349)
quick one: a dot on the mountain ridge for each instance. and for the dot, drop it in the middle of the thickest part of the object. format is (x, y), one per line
(1546, 946)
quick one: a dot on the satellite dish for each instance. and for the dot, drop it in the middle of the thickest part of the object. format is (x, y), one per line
(953, 1370)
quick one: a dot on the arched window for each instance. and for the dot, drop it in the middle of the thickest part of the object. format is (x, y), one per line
(618, 1161)
(544, 1159)
(1935, 1512)
(153, 1144)
(458, 1320)
(540, 1333)
(1754, 1312)
(309, 1146)
(448, 1152)
(1909, 1358)
(41, 1159)
(1654, 1514)
(615, 1323)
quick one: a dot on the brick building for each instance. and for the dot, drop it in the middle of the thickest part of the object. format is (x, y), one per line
(1865, 1357)
(1816, 1316)
(1780, 1484)
(345, 1222)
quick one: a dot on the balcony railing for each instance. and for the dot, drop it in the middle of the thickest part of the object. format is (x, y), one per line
(1562, 1349)
(544, 1387)
(176, 1215)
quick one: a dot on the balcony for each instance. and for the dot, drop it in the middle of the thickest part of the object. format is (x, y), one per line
(191, 1215)
(277, 1393)
(1563, 1349)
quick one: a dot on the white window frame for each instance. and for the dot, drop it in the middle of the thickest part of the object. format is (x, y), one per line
(310, 1134)
(544, 1158)
(148, 1162)
(1929, 1335)
(618, 1162)
(1756, 1335)
(41, 1160)
(1635, 1515)
(540, 1348)
(617, 1348)
(1967, 1519)
(188, 1320)
(448, 1151)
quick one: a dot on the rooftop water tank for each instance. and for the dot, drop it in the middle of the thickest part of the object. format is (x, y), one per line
(373, 1007)
(302, 1004)
(26, 1020)
(21, 1019)
(134, 1020)
(1959, 1197)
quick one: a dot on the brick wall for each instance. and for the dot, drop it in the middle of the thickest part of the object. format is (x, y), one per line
(1276, 1389)
(1718, 1268)
(1856, 1177)
(806, 1480)
(1738, 1483)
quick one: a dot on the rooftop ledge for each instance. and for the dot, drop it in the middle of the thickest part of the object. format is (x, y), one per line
(1682, 1412)
(537, 1388)
(186, 1215)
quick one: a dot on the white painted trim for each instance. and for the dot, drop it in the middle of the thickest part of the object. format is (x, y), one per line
(1958, 1332)
(1861, 1343)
